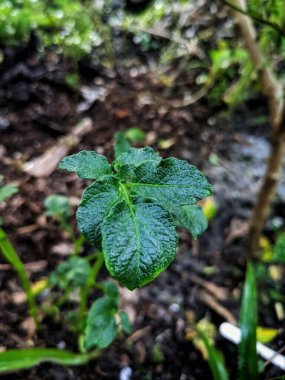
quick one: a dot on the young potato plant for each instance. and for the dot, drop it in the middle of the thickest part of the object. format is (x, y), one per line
(129, 214)
(129, 211)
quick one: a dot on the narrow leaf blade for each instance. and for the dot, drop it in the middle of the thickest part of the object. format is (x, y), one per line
(216, 361)
(87, 164)
(248, 364)
(13, 360)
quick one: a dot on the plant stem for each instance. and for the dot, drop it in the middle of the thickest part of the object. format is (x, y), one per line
(266, 193)
(256, 18)
(77, 245)
(91, 281)
(273, 90)
(12, 257)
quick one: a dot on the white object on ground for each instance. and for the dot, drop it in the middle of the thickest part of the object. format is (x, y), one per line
(126, 373)
(233, 333)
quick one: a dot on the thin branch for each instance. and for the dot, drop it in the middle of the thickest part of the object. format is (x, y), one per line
(274, 91)
(260, 20)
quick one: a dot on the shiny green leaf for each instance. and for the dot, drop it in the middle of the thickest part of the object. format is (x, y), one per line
(96, 200)
(57, 206)
(87, 164)
(192, 218)
(172, 182)
(139, 242)
(136, 157)
(125, 322)
(111, 290)
(101, 328)
(71, 273)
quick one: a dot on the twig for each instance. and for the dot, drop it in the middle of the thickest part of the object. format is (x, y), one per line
(192, 98)
(44, 165)
(269, 361)
(210, 301)
(34, 266)
(260, 20)
(217, 291)
(273, 90)
(138, 335)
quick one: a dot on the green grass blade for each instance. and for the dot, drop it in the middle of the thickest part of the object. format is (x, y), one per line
(216, 361)
(12, 257)
(13, 360)
(248, 365)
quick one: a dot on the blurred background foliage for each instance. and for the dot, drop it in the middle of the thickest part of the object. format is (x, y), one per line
(179, 39)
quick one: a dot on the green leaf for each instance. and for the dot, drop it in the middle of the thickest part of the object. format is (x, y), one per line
(279, 249)
(248, 363)
(171, 183)
(101, 329)
(57, 206)
(266, 334)
(125, 322)
(121, 144)
(192, 218)
(111, 290)
(135, 135)
(72, 273)
(87, 164)
(132, 173)
(96, 200)
(216, 360)
(7, 191)
(139, 241)
(136, 157)
(14, 360)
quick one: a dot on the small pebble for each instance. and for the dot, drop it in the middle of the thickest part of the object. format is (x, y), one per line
(174, 307)
(126, 373)
(61, 345)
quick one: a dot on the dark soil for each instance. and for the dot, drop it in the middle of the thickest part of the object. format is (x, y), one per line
(37, 108)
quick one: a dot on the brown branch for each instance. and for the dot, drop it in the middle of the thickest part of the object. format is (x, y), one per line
(211, 302)
(256, 18)
(274, 93)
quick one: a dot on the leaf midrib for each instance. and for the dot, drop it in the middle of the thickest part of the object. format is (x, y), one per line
(132, 184)
(130, 205)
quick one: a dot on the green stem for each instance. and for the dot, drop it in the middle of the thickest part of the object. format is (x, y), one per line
(12, 257)
(64, 297)
(66, 226)
(77, 245)
(91, 281)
